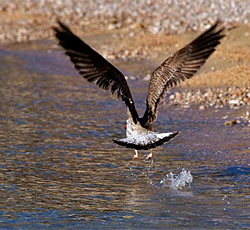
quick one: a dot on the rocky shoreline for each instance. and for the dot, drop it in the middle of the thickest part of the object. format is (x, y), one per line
(30, 19)
(149, 29)
(230, 97)
(234, 97)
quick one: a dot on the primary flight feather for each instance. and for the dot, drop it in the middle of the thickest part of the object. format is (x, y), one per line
(179, 66)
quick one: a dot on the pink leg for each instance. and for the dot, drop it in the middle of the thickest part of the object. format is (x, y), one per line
(150, 156)
(136, 156)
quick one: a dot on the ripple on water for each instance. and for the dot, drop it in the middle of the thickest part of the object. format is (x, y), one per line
(59, 166)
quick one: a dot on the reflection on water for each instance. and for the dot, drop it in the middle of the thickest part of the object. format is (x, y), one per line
(59, 167)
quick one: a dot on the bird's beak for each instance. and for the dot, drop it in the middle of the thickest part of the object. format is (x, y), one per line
(124, 127)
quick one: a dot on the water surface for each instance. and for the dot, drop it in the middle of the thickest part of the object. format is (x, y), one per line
(60, 169)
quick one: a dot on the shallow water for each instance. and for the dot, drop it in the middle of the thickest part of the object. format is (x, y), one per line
(59, 167)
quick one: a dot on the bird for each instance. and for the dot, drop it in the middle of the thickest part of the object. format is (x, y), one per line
(181, 65)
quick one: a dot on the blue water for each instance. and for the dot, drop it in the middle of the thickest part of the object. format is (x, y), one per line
(60, 169)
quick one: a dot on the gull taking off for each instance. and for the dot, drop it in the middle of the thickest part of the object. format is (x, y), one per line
(179, 66)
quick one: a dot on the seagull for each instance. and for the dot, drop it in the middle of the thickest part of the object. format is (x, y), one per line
(181, 65)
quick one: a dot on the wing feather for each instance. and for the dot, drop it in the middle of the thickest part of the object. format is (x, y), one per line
(93, 67)
(180, 66)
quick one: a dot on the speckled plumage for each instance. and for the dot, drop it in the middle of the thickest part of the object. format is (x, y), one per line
(140, 138)
(180, 66)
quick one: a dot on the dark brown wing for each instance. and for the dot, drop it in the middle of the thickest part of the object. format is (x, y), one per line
(180, 66)
(93, 67)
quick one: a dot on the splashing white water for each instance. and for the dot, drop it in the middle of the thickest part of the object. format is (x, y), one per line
(178, 181)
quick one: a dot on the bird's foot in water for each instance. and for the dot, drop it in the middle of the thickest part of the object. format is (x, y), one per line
(136, 156)
(150, 157)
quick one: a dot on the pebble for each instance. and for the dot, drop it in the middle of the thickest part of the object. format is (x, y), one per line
(233, 122)
(213, 97)
(231, 97)
(29, 19)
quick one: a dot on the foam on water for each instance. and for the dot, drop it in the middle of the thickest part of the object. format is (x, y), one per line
(177, 181)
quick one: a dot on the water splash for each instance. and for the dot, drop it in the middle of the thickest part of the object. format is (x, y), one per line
(177, 181)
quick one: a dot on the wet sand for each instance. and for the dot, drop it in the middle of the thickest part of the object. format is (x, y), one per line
(228, 66)
(223, 81)
(140, 31)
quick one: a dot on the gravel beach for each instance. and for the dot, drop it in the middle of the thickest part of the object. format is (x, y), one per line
(32, 19)
(151, 30)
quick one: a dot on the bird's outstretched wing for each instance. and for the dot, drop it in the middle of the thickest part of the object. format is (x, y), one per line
(180, 66)
(93, 67)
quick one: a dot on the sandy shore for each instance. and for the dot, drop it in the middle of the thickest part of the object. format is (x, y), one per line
(32, 19)
(146, 30)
